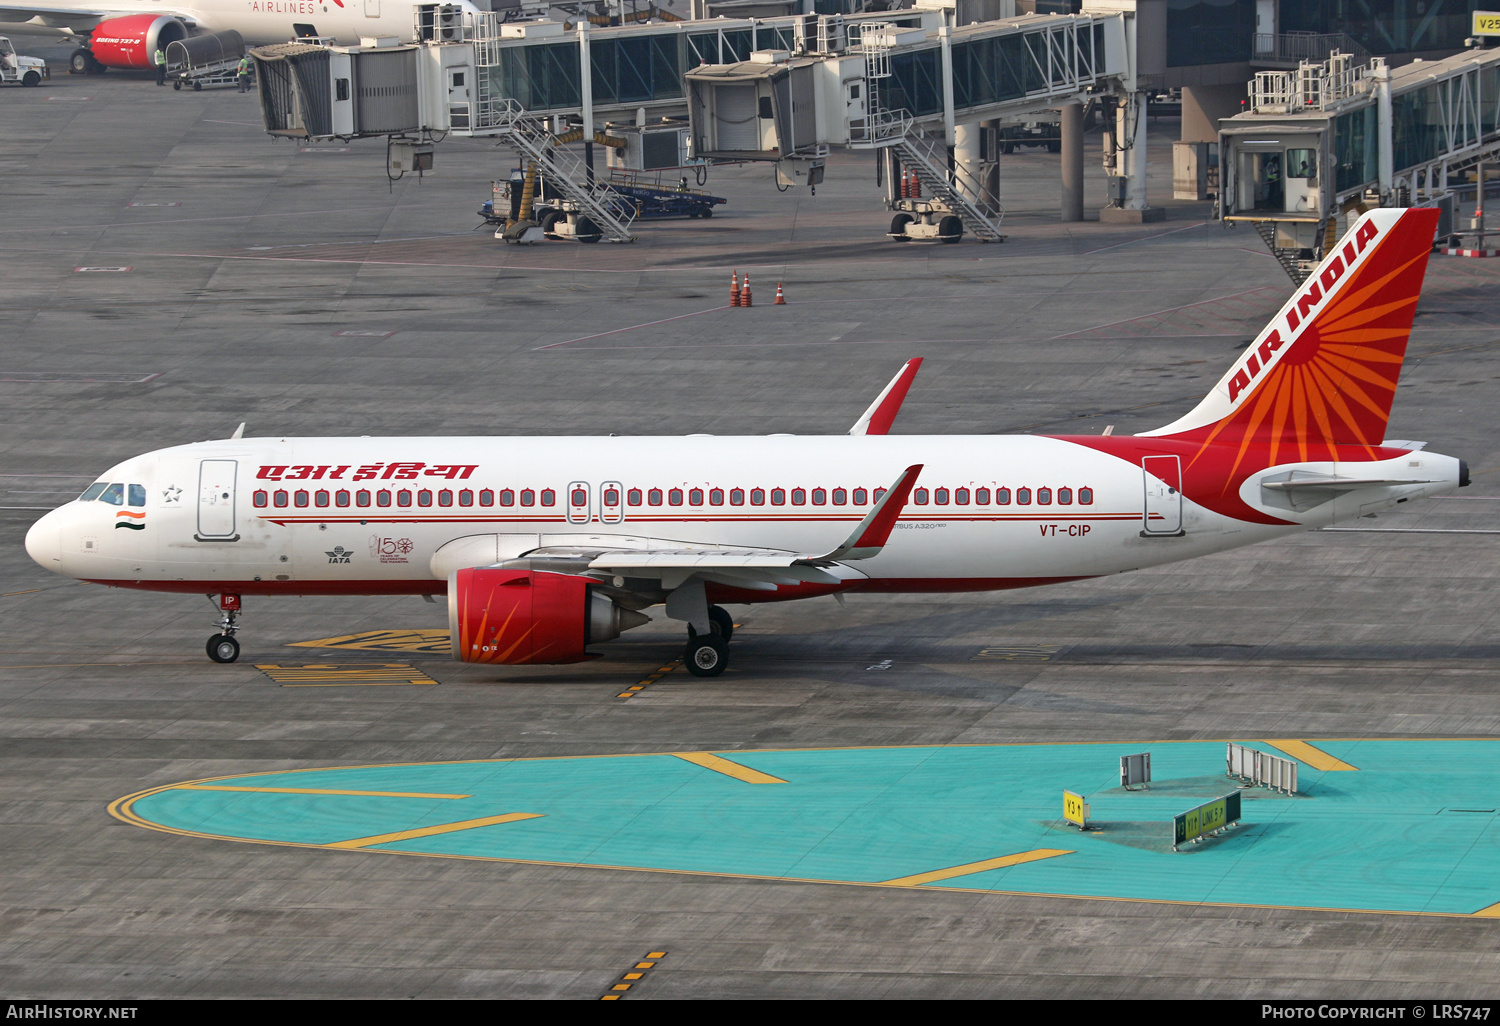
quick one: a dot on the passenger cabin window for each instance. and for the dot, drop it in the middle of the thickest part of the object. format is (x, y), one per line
(1002, 496)
(919, 496)
(445, 498)
(507, 497)
(611, 497)
(93, 491)
(960, 496)
(1023, 496)
(634, 496)
(261, 500)
(280, 500)
(654, 497)
(528, 497)
(1086, 496)
(799, 496)
(981, 496)
(403, 497)
(736, 496)
(778, 496)
(674, 497)
(466, 497)
(716, 496)
(424, 498)
(320, 498)
(137, 495)
(757, 496)
(695, 497)
(940, 496)
(382, 498)
(114, 494)
(1044, 496)
(486, 496)
(861, 497)
(341, 498)
(820, 496)
(301, 499)
(1065, 496)
(878, 493)
(549, 497)
(361, 498)
(840, 496)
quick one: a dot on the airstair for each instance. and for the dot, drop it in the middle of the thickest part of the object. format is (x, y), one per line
(564, 170)
(927, 158)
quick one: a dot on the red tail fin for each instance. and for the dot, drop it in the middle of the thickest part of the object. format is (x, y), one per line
(1323, 373)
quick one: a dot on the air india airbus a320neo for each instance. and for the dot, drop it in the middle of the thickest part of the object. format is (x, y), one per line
(545, 546)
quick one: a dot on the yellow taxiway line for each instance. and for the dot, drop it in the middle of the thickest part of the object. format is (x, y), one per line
(441, 828)
(1304, 752)
(978, 867)
(315, 790)
(713, 762)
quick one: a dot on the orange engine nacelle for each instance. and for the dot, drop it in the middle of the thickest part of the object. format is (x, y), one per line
(530, 616)
(132, 41)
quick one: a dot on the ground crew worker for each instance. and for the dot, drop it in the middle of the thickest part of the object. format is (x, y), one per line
(244, 73)
(160, 60)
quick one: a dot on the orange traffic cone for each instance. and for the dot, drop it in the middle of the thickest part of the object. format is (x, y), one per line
(734, 289)
(745, 292)
(905, 184)
(780, 299)
(916, 186)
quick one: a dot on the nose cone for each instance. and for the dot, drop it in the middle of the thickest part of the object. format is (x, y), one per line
(44, 541)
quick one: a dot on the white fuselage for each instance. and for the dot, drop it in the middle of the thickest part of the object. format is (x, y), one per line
(260, 22)
(285, 515)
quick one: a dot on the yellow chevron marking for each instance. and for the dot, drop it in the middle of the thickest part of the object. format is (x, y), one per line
(431, 641)
(334, 674)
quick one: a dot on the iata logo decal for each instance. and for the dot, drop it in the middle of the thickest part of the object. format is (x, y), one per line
(390, 550)
(339, 554)
(133, 521)
(1308, 301)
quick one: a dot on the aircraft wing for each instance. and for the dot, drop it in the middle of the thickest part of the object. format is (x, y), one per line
(741, 566)
(878, 418)
(67, 16)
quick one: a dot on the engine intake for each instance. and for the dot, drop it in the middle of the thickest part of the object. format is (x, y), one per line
(132, 41)
(530, 616)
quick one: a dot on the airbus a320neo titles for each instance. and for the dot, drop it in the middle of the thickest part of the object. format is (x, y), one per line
(545, 546)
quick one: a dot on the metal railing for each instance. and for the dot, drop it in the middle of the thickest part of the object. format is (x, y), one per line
(1312, 86)
(1291, 47)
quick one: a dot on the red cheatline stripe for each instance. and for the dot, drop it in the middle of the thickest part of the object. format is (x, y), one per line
(832, 519)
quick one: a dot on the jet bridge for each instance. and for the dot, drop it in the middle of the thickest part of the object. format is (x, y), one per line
(908, 82)
(1332, 139)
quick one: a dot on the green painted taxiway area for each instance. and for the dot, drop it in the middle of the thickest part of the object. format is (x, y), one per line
(1379, 825)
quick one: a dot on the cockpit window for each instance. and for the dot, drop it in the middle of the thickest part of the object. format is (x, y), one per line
(137, 495)
(114, 495)
(93, 491)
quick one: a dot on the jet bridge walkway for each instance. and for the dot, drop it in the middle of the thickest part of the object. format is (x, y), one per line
(1327, 141)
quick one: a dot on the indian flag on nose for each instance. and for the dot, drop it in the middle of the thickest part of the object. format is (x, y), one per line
(133, 521)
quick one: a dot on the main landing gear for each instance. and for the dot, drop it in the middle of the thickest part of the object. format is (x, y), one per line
(708, 654)
(222, 647)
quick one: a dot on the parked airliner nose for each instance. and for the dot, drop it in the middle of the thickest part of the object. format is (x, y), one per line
(44, 541)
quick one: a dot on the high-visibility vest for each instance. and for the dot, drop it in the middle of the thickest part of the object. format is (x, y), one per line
(161, 58)
(244, 65)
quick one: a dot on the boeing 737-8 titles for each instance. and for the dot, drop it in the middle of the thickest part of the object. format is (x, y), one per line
(544, 546)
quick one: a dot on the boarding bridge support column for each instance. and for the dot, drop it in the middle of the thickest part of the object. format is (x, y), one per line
(1130, 137)
(966, 156)
(586, 94)
(1385, 158)
(991, 197)
(1072, 162)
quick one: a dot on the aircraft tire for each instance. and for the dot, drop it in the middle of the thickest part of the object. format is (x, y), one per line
(222, 648)
(706, 656)
(587, 231)
(898, 227)
(950, 229)
(81, 62)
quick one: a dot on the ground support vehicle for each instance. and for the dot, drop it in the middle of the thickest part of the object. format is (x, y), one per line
(27, 71)
(924, 219)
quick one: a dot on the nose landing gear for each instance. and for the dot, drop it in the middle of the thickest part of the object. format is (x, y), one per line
(222, 647)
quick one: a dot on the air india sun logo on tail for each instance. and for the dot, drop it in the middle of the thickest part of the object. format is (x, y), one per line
(130, 520)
